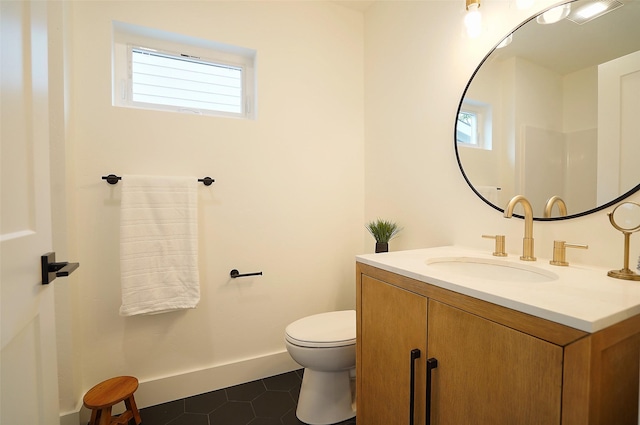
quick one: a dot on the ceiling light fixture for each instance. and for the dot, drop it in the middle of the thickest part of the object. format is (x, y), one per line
(593, 10)
(554, 15)
(473, 19)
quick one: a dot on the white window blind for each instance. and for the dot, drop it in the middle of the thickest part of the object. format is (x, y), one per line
(185, 82)
(467, 128)
(474, 127)
(163, 71)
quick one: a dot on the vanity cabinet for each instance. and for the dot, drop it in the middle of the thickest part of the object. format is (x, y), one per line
(392, 324)
(489, 372)
(494, 365)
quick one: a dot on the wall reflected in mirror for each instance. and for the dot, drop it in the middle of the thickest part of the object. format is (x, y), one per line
(556, 113)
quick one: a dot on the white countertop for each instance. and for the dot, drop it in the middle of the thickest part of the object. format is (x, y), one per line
(581, 297)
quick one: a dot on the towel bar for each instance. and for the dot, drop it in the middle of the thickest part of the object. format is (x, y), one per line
(235, 273)
(113, 179)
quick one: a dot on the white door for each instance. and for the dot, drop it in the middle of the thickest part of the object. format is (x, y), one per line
(618, 110)
(28, 386)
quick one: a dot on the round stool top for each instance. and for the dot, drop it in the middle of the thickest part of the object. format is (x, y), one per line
(110, 392)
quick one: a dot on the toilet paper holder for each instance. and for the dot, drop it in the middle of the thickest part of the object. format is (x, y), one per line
(235, 273)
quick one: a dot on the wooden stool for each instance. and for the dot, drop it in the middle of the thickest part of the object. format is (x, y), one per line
(101, 398)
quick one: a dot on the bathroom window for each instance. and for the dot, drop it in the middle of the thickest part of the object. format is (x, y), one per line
(467, 129)
(474, 126)
(170, 72)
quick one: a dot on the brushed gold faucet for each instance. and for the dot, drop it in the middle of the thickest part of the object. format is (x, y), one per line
(499, 246)
(562, 207)
(560, 252)
(527, 241)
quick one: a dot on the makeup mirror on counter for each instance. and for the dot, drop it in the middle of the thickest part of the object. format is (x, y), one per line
(625, 218)
(554, 112)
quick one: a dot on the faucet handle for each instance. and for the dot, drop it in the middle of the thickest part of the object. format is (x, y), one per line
(499, 248)
(560, 252)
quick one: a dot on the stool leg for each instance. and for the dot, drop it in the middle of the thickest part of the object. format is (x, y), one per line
(94, 417)
(131, 405)
(104, 416)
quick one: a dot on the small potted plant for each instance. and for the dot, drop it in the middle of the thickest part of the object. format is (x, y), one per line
(383, 231)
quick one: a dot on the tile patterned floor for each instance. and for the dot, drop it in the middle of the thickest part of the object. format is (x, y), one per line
(268, 401)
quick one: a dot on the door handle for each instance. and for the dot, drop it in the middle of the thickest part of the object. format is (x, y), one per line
(432, 363)
(415, 354)
(51, 269)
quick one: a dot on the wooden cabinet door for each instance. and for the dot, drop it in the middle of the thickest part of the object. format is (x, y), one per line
(392, 323)
(490, 374)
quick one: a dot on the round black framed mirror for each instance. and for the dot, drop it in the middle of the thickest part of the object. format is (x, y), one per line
(552, 114)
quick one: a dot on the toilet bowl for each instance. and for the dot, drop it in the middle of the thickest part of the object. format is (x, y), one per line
(325, 345)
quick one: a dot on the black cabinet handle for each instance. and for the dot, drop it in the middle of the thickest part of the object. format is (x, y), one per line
(415, 354)
(432, 363)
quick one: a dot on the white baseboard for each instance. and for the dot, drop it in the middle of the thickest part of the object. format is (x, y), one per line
(175, 387)
(71, 418)
(164, 389)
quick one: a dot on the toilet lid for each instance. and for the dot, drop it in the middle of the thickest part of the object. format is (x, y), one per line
(333, 329)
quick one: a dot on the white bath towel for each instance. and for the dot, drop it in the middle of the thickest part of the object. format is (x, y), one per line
(158, 244)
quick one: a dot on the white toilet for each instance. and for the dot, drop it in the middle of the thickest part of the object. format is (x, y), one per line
(325, 345)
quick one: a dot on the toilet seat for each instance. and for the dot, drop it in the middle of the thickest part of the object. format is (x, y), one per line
(333, 329)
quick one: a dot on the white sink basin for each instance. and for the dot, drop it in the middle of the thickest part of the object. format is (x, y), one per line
(492, 269)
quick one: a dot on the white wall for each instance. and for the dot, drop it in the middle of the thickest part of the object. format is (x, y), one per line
(485, 167)
(580, 122)
(580, 100)
(538, 125)
(417, 63)
(288, 198)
